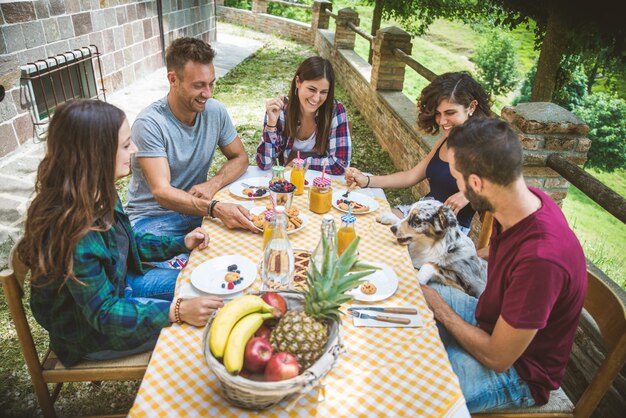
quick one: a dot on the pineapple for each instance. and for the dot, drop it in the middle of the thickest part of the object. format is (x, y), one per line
(305, 333)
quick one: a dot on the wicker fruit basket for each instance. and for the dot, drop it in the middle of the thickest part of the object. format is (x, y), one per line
(257, 395)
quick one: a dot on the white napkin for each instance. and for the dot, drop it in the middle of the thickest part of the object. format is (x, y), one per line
(416, 320)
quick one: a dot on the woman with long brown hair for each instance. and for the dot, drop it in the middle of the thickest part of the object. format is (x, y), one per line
(309, 121)
(89, 286)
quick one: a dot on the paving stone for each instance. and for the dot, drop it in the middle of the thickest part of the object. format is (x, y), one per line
(41, 9)
(14, 38)
(66, 28)
(18, 12)
(21, 167)
(57, 7)
(33, 34)
(51, 29)
(9, 212)
(82, 23)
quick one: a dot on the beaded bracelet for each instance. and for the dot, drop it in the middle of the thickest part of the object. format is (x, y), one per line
(177, 311)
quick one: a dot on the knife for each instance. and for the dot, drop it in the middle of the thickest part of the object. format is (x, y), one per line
(393, 319)
(408, 311)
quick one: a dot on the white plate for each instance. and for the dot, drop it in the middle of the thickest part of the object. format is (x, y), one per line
(237, 187)
(209, 276)
(308, 176)
(385, 280)
(356, 197)
(257, 210)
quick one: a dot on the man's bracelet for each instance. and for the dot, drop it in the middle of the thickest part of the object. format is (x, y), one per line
(368, 182)
(177, 311)
(270, 126)
(211, 206)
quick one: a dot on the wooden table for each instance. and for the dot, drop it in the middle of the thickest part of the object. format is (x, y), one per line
(384, 372)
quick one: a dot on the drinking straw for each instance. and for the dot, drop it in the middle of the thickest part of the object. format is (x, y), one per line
(323, 168)
(272, 200)
(298, 155)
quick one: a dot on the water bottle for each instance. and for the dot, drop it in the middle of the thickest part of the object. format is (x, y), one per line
(278, 259)
(329, 231)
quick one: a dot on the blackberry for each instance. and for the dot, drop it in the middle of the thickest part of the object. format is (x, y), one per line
(232, 267)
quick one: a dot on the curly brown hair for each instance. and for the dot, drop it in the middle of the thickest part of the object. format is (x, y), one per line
(75, 187)
(457, 87)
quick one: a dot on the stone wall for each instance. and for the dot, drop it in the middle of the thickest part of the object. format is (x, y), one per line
(126, 33)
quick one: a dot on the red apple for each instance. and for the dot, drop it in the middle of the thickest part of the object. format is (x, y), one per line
(263, 332)
(275, 300)
(281, 366)
(258, 377)
(258, 353)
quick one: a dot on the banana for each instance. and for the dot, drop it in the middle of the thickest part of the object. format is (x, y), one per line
(227, 317)
(238, 338)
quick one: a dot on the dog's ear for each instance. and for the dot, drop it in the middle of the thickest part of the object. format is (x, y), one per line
(446, 218)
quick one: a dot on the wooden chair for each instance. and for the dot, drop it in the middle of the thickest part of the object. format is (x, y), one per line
(50, 369)
(607, 310)
(485, 230)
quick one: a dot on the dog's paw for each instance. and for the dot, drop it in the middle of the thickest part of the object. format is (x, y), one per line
(426, 272)
(387, 218)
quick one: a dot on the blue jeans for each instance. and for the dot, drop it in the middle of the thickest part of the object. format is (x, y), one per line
(482, 387)
(173, 225)
(156, 286)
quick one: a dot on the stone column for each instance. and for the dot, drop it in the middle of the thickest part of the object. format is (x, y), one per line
(319, 18)
(219, 2)
(259, 6)
(344, 36)
(387, 69)
(545, 128)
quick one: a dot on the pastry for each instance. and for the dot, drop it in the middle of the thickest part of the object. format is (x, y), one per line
(356, 206)
(231, 276)
(368, 288)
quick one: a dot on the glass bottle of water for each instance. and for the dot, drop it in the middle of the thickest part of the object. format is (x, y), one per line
(330, 232)
(278, 260)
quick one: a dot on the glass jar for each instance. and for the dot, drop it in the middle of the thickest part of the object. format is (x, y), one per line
(278, 259)
(278, 173)
(320, 195)
(328, 233)
(297, 175)
(346, 233)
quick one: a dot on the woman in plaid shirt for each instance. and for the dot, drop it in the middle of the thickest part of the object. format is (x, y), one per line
(310, 121)
(90, 288)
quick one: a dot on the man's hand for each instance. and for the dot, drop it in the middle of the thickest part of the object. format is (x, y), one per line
(434, 300)
(457, 202)
(197, 238)
(234, 216)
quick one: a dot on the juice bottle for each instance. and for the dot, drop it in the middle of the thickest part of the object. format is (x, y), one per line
(346, 233)
(278, 259)
(267, 228)
(320, 195)
(297, 175)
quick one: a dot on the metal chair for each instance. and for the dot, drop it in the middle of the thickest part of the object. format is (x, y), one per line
(50, 369)
(609, 314)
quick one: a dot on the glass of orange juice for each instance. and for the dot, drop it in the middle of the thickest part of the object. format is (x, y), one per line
(297, 175)
(268, 227)
(346, 233)
(320, 195)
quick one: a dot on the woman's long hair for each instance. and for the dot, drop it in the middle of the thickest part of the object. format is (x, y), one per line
(459, 88)
(313, 68)
(75, 188)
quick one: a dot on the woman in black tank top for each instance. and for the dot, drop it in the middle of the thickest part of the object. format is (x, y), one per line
(449, 100)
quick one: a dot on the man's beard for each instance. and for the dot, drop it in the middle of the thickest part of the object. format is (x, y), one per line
(479, 204)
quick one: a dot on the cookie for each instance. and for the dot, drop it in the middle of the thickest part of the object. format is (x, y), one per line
(231, 276)
(368, 288)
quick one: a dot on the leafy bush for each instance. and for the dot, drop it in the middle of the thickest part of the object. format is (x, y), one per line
(496, 62)
(606, 117)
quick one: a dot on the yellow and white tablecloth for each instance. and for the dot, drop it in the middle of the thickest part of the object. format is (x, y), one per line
(384, 371)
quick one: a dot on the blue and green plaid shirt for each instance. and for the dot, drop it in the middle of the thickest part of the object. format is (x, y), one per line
(94, 315)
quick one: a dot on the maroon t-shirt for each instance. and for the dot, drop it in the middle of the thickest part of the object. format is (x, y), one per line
(537, 279)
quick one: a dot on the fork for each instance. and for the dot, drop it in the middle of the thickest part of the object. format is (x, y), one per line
(249, 186)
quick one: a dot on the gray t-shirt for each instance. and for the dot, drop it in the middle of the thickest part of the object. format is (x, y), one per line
(189, 150)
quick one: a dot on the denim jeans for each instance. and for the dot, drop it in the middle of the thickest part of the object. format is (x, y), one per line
(482, 387)
(173, 225)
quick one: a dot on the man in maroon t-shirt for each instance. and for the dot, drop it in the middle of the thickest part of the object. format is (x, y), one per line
(510, 347)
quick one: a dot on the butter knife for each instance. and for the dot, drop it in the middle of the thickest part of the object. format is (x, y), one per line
(407, 311)
(392, 319)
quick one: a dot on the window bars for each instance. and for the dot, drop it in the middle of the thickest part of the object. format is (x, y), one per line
(55, 80)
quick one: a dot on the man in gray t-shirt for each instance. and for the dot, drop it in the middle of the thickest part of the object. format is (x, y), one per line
(177, 136)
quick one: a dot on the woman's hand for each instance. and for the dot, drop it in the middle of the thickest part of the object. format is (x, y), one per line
(197, 238)
(354, 176)
(456, 202)
(196, 311)
(273, 108)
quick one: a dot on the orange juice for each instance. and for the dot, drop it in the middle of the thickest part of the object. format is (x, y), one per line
(297, 178)
(345, 236)
(320, 200)
(267, 233)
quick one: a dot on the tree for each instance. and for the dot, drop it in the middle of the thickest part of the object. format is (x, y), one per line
(606, 117)
(563, 27)
(496, 62)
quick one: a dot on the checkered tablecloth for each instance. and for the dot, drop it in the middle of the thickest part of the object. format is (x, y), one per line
(384, 371)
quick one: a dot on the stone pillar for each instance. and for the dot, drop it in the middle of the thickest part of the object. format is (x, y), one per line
(344, 36)
(387, 69)
(259, 6)
(545, 128)
(219, 2)
(319, 18)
